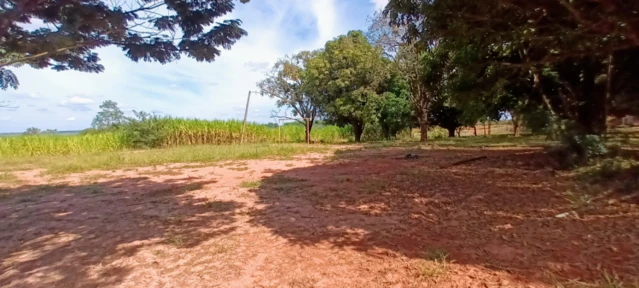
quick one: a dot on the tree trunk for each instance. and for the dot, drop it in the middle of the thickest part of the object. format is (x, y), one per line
(358, 130)
(516, 123)
(423, 125)
(475, 130)
(423, 131)
(591, 114)
(451, 132)
(307, 135)
(489, 124)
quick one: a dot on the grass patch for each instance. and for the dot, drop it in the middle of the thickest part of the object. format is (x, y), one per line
(219, 206)
(250, 184)
(243, 168)
(57, 165)
(176, 240)
(436, 264)
(9, 178)
(493, 141)
(607, 280)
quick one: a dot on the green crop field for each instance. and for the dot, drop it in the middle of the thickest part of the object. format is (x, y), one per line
(170, 132)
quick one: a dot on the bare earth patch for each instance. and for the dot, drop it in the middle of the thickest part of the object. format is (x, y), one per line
(366, 219)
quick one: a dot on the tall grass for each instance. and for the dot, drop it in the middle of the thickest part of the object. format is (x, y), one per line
(169, 132)
(37, 145)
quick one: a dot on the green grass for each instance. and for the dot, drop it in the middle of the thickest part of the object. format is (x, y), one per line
(9, 178)
(129, 159)
(250, 184)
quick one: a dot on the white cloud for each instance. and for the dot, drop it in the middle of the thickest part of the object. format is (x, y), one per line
(71, 119)
(77, 103)
(187, 88)
(77, 100)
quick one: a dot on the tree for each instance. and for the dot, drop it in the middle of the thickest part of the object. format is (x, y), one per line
(396, 112)
(447, 117)
(564, 50)
(408, 60)
(111, 116)
(346, 76)
(150, 30)
(51, 131)
(284, 83)
(32, 131)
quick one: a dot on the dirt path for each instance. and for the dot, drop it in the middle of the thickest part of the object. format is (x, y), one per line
(367, 219)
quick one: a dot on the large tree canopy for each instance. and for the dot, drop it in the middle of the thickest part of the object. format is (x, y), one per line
(569, 56)
(149, 30)
(348, 75)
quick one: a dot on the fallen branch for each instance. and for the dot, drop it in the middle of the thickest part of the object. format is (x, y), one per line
(466, 161)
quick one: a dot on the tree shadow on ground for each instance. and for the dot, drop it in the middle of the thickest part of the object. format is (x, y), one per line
(499, 213)
(55, 235)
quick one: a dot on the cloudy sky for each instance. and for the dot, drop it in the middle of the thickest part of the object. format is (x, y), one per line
(69, 100)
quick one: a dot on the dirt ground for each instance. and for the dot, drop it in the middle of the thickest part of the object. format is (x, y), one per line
(359, 219)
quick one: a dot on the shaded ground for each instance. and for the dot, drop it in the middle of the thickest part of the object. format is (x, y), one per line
(366, 219)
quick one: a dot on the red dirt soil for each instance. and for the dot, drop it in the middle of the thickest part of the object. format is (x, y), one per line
(366, 219)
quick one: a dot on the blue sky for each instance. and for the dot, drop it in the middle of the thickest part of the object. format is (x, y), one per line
(69, 100)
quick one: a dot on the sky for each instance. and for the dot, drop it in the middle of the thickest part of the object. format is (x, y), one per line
(69, 100)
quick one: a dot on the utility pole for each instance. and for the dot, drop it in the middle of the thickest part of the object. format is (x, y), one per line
(245, 114)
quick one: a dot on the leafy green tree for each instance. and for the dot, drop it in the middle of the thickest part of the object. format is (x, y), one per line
(284, 83)
(32, 131)
(408, 60)
(564, 52)
(346, 76)
(51, 131)
(395, 114)
(395, 109)
(144, 130)
(110, 117)
(447, 117)
(150, 30)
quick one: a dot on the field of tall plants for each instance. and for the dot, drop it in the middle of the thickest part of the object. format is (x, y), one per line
(164, 132)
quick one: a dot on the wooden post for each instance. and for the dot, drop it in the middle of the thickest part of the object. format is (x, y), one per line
(245, 114)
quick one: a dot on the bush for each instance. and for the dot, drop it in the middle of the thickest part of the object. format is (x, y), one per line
(145, 131)
(575, 148)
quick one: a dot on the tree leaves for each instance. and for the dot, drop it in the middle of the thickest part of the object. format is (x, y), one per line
(75, 28)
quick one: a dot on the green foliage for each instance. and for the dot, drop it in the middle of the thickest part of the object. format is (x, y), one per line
(110, 117)
(285, 83)
(446, 117)
(575, 147)
(538, 121)
(144, 131)
(348, 74)
(511, 57)
(161, 31)
(395, 115)
(153, 132)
